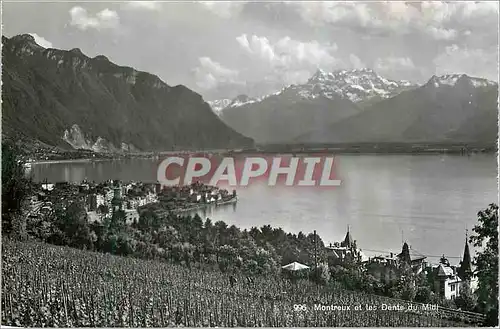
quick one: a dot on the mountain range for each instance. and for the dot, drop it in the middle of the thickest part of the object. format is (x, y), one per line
(66, 99)
(362, 106)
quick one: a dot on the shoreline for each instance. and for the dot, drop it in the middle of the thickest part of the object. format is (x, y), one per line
(204, 206)
(38, 162)
(281, 152)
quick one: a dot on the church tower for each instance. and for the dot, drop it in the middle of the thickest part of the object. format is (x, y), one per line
(116, 202)
(465, 271)
(348, 240)
(404, 256)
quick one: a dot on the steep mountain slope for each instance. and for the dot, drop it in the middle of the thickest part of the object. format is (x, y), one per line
(67, 99)
(450, 108)
(324, 99)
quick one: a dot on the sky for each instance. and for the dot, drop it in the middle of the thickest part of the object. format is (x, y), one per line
(223, 49)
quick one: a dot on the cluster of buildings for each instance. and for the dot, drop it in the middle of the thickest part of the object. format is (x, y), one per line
(200, 193)
(445, 279)
(102, 199)
(110, 196)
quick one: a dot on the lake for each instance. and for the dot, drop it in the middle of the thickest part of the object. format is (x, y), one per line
(427, 200)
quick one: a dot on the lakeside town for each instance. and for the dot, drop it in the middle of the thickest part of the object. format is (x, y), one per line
(86, 223)
(101, 200)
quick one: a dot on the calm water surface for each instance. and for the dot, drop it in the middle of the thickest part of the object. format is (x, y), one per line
(428, 200)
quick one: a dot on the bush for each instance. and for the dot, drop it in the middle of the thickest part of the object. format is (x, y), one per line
(423, 295)
(321, 274)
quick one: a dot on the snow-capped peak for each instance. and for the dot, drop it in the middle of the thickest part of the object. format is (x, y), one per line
(219, 104)
(453, 79)
(355, 85)
(240, 100)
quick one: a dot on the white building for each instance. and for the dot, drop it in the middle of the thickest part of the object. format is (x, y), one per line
(151, 198)
(447, 282)
(47, 187)
(131, 215)
(100, 200)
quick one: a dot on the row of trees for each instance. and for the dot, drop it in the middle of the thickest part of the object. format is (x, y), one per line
(182, 239)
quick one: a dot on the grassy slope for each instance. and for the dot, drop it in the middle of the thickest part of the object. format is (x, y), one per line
(45, 285)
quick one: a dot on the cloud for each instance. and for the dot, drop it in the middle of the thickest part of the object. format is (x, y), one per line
(224, 9)
(259, 46)
(105, 19)
(287, 53)
(394, 64)
(461, 11)
(433, 19)
(41, 40)
(346, 14)
(210, 74)
(146, 5)
(441, 34)
(287, 61)
(455, 59)
(356, 63)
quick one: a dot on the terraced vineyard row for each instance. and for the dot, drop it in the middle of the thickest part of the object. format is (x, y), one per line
(45, 285)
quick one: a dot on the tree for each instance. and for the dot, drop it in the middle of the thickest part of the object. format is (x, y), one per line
(423, 295)
(321, 274)
(486, 261)
(149, 221)
(72, 228)
(405, 288)
(466, 300)
(103, 209)
(16, 188)
(117, 222)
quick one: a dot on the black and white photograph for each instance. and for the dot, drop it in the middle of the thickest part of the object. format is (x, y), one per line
(249, 164)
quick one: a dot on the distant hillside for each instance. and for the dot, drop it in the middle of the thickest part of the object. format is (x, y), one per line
(66, 99)
(280, 118)
(451, 108)
(326, 98)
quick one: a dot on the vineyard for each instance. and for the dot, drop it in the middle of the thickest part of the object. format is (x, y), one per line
(49, 286)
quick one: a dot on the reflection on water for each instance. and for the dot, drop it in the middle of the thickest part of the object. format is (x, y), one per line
(213, 211)
(428, 200)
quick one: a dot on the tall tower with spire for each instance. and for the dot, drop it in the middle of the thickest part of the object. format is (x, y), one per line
(348, 240)
(351, 250)
(465, 270)
(117, 201)
(404, 256)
